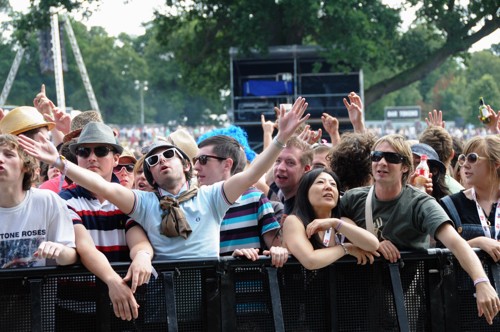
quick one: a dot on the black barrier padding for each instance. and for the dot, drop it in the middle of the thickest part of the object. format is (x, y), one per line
(253, 302)
(15, 305)
(467, 315)
(68, 303)
(304, 298)
(341, 297)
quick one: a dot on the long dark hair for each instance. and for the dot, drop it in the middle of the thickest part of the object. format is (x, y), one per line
(303, 208)
(439, 186)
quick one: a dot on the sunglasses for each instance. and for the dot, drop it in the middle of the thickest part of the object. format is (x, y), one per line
(167, 154)
(471, 158)
(128, 167)
(203, 159)
(99, 151)
(390, 157)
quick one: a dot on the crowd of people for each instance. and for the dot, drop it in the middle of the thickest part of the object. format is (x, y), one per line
(183, 196)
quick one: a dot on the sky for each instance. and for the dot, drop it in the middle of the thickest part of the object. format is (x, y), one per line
(116, 17)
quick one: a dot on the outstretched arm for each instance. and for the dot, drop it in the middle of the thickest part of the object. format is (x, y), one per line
(45, 151)
(288, 123)
(486, 296)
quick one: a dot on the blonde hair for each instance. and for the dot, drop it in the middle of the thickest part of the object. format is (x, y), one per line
(30, 164)
(402, 147)
(490, 146)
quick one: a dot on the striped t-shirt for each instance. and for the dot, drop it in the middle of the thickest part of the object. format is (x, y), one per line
(250, 217)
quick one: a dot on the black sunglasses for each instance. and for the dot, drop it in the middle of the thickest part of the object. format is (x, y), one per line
(471, 158)
(128, 167)
(203, 159)
(390, 157)
(167, 154)
(99, 151)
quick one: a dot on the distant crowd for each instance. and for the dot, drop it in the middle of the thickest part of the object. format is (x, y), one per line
(78, 190)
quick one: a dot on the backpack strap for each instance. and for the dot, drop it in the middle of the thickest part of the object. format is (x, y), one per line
(453, 212)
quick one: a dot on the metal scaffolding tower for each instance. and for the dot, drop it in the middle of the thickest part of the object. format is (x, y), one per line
(58, 72)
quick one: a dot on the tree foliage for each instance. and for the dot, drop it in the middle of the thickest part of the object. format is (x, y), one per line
(184, 55)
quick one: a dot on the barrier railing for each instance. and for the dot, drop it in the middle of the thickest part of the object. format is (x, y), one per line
(424, 291)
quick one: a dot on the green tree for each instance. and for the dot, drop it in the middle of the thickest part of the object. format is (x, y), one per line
(485, 87)
(356, 34)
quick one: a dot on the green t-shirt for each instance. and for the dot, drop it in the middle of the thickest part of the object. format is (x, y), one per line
(407, 221)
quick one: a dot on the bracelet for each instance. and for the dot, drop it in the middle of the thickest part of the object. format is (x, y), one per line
(278, 143)
(59, 163)
(339, 225)
(346, 251)
(480, 280)
(62, 160)
(144, 252)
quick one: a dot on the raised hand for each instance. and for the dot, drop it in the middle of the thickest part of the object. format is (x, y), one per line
(355, 110)
(61, 119)
(435, 119)
(267, 126)
(289, 121)
(309, 136)
(42, 150)
(494, 125)
(331, 125)
(43, 104)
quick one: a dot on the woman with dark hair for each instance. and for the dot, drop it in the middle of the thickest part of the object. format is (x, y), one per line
(439, 188)
(314, 234)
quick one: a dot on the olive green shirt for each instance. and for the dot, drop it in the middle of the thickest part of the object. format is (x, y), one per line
(407, 221)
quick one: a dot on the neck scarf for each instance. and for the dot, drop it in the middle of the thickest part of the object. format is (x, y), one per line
(173, 220)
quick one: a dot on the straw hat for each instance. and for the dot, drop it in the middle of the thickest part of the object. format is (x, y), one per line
(183, 140)
(22, 119)
(127, 157)
(80, 121)
(96, 132)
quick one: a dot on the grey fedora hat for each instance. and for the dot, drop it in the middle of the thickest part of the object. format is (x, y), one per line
(96, 132)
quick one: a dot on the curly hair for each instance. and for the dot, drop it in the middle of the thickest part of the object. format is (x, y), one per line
(30, 164)
(350, 159)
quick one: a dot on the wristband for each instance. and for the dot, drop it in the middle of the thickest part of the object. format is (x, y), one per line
(278, 143)
(339, 225)
(346, 251)
(61, 160)
(144, 252)
(59, 163)
(480, 280)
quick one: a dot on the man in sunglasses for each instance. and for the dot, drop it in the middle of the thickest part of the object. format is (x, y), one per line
(181, 222)
(105, 234)
(402, 217)
(249, 224)
(125, 169)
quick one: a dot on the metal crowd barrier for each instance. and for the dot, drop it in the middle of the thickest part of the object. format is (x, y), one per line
(424, 291)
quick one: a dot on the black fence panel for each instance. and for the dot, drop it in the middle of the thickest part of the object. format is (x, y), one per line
(422, 292)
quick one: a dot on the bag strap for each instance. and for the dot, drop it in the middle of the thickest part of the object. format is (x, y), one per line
(368, 212)
(453, 212)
